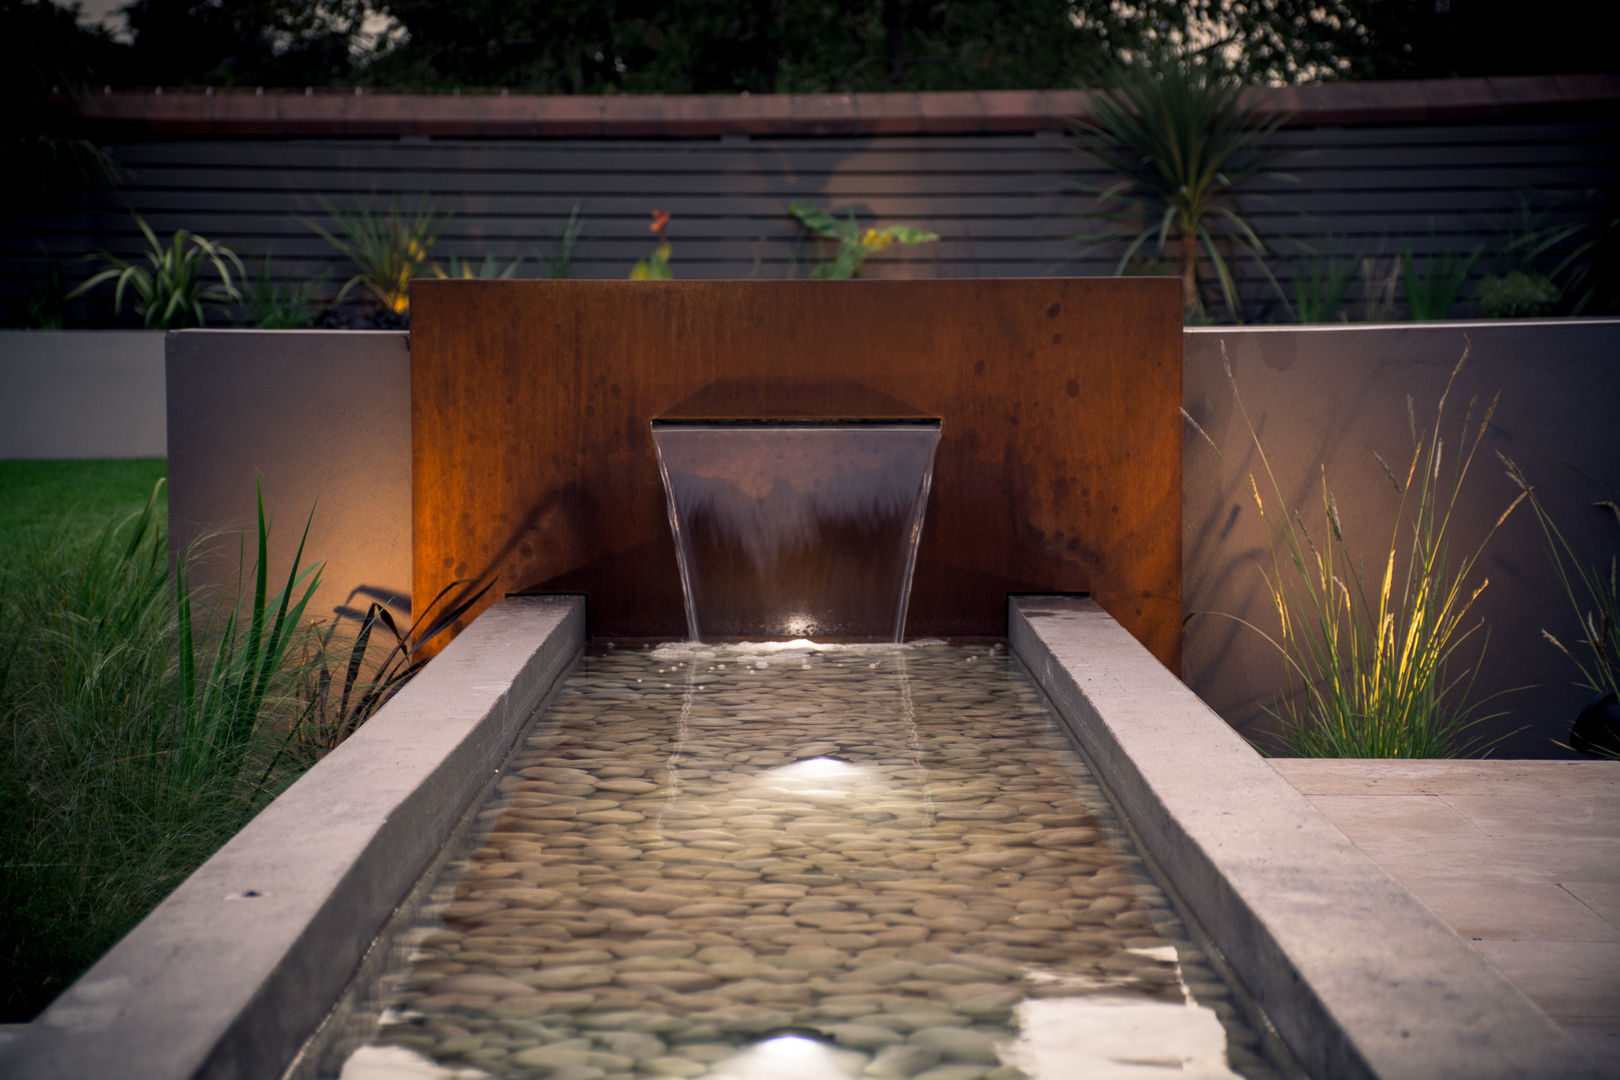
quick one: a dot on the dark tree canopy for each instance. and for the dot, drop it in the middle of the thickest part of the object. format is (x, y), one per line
(242, 42)
(44, 50)
(762, 46)
(798, 46)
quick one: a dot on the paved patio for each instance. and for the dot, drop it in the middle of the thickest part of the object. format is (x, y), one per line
(1521, 858)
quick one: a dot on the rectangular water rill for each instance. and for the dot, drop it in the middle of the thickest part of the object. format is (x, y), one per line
(783, 862)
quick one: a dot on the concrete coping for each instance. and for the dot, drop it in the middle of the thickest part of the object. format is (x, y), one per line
(230, 974)
(1359, 978)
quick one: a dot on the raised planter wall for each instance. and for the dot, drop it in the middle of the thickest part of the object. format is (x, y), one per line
(320, 420)
(324, 418)
(1325, 400)
(81, 394)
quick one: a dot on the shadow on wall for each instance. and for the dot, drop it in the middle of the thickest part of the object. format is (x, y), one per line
(1328, 399)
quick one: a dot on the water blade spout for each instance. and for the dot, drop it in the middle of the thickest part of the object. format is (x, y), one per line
(796, 529)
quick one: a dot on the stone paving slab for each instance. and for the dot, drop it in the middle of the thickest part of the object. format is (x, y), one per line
(1360, 978)
(1521, 858)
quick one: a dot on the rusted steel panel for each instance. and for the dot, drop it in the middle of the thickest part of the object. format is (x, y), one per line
(1059, 465)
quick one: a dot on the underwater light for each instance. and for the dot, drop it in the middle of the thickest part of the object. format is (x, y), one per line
(799, 626)
(790, 1054)
(818, 779)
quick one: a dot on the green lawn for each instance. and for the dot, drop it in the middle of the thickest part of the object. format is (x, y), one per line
(37, 497)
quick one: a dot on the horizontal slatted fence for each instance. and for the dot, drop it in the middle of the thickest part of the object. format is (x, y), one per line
(1005, 205)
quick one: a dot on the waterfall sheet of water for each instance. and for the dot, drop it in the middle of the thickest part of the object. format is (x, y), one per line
(796, 529)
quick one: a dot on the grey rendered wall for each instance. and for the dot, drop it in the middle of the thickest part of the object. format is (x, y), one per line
(1337, 395)
(322, 419)
(81, 394)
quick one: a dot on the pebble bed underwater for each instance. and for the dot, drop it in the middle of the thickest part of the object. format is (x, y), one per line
(792, 862)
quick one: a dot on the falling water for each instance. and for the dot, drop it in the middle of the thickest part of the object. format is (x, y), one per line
(796, 529)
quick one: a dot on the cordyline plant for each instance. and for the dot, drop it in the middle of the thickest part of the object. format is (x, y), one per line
(855, 245)
(170, 290)
(1183, 143)
(1372, 667)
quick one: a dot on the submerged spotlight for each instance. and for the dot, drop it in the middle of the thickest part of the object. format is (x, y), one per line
(790, 1054)
(799, 626)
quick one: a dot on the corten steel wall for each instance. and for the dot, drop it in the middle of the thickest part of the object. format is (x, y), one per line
(1059, 465)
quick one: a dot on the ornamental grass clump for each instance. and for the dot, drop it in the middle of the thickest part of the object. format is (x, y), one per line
(1384, 666)
(139, 733)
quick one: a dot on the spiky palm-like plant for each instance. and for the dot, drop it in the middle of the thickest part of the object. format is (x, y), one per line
(1183, 143)
(388, 249)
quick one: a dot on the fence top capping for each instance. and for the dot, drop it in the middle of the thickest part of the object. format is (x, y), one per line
(356, 113)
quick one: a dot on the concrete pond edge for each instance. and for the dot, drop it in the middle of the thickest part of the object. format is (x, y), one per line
(233, 971)
(1359, 978)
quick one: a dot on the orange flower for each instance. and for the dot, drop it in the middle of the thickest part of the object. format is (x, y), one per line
(660, 221)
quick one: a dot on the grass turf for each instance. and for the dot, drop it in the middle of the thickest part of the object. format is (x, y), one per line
(39, 497)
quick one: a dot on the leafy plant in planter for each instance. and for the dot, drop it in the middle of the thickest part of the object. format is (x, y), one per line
(1370, 669)
(170, 290)
(44, 303)
(854, 244)
(1518, 294)
(560, 262)
(655, 267)
(272, 305)
(1320, 287)
(388, 249)
(489, 269)
(1521, 288)
(1433, 287)
(349, 684)
(1591, 272)
(1183, 144)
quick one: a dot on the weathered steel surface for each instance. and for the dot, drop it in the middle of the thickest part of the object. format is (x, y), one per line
(1059, 466)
